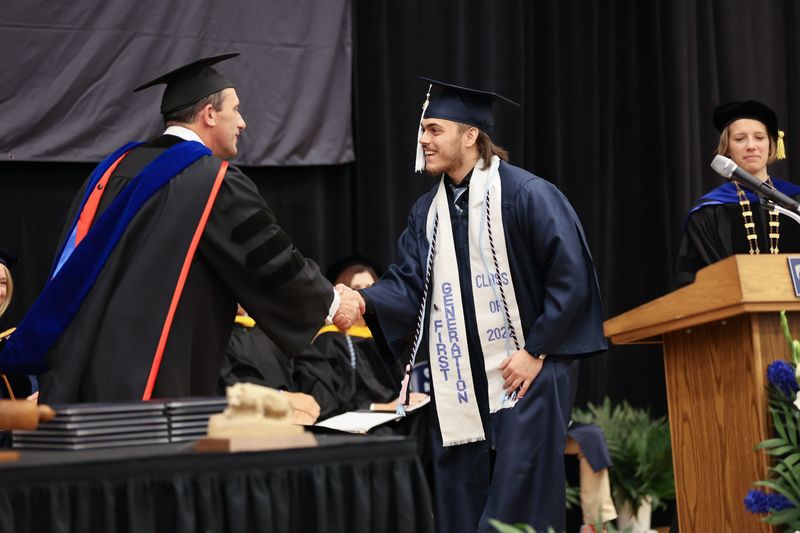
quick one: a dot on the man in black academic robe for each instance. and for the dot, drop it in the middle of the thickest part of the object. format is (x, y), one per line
(159, 246)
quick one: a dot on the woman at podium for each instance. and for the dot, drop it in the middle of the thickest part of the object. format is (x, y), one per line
(729, 219)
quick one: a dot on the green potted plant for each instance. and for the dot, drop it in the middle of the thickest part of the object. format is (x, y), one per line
(641, 477)
(778, 496)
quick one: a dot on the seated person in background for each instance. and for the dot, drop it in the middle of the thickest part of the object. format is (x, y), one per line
(312, 374)
(589, 444)
(345, 370)
(252, 357)
(6, 282)
(729, 220)
(13, 386)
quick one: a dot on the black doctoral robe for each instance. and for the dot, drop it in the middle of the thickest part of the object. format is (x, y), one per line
(371, 378)
(106, 352)
(252, 357)
(715, 230)
(324, 370)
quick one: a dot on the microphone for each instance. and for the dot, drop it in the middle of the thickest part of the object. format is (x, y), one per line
(731, 171)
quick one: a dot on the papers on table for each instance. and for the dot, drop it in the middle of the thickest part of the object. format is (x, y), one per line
(357, 421)
(363, 421)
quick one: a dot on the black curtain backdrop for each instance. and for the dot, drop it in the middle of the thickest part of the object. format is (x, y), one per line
(616, 101)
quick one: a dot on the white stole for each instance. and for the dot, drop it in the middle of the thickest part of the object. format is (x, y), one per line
(459, 417)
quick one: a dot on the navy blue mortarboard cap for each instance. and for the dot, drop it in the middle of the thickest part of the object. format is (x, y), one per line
(7, 259)
(190, 83)
(464, 105)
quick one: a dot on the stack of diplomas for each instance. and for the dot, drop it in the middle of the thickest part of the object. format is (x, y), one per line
(97, 425)
(188, 419)
(84, 426)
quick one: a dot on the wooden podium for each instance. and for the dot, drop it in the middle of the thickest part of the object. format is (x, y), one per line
(719, 334)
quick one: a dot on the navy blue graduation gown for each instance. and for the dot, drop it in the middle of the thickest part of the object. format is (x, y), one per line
(516, 475)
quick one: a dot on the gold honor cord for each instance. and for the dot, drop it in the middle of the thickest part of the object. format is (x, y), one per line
(750, 227)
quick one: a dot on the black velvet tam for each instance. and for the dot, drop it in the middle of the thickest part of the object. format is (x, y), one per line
(725, 114)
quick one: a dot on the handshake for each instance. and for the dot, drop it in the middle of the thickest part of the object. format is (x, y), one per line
(351, 307)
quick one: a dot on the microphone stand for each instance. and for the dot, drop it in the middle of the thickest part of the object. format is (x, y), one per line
(768, 204)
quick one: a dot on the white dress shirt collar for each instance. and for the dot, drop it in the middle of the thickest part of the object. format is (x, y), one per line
(184, 133)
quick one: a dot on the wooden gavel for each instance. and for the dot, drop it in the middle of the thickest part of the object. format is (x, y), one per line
(23, 414)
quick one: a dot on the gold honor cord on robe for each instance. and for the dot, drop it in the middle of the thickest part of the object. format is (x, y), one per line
(244, 321)
(361, 332)
(750, 226)
(459, 417)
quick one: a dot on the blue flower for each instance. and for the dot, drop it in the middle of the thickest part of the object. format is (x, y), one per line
(781, 375)
(780, 502)
(758, 502)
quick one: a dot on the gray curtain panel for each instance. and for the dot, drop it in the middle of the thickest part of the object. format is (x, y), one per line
(68, 70)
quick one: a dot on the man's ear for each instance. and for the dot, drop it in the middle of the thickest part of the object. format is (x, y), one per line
(209, 115)
(470, 136)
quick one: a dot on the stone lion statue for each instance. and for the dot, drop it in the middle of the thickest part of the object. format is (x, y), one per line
(248, 399)
(253, 411)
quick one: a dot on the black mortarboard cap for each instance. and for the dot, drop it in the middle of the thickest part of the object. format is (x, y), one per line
(464, 105)
(190, 83)
(726, 113)
(8, 259)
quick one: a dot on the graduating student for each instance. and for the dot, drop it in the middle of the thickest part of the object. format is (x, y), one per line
(160, 244)
(495, 276)
(730, 220)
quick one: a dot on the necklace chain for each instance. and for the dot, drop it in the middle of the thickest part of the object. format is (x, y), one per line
(750, 226)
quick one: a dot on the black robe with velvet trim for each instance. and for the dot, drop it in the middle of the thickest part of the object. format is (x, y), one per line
(252, 357)
(324, 370)
(714, 232)
(106, 352)
(313, 374)
(375, 378)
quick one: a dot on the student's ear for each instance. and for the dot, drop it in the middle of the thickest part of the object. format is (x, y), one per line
(471, 136)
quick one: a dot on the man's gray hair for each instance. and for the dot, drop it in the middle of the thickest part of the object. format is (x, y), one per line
(187, 114)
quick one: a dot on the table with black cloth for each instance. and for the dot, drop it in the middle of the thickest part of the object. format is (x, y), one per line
(345, 484)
